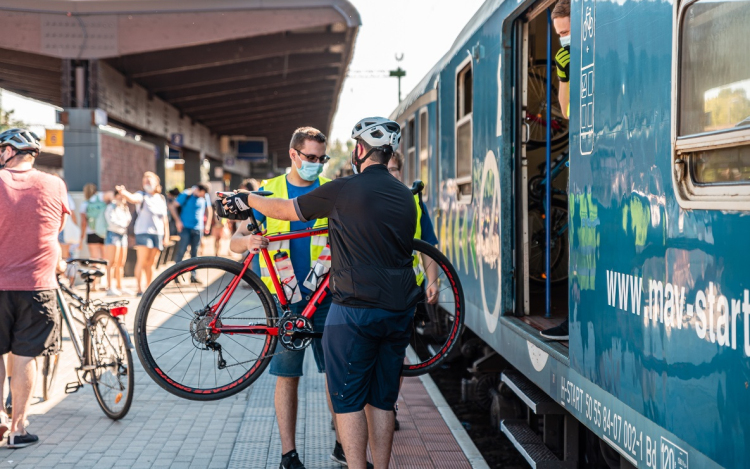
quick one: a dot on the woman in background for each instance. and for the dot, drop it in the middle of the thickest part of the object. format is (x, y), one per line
(116, 242)
(151, 226)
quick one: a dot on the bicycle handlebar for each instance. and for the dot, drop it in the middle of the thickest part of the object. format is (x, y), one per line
(417, 187)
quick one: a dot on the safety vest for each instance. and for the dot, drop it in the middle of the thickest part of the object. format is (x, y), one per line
(418, 235)
(277, 185)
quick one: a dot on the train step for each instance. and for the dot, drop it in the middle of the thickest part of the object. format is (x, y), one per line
(537, 400)
(531, 446)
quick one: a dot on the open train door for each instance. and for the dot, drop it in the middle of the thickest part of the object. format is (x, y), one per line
(542, 144)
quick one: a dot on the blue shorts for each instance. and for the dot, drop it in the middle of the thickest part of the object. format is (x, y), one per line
(114, 239)
(150, 241)
(365, 350)
(289, 364)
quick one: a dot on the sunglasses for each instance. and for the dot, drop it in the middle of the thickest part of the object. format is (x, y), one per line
(314, 158)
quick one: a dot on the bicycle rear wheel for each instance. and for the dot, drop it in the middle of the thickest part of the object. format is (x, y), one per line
(176, 345)
(437, 326)
(112, 376)
(49, 373)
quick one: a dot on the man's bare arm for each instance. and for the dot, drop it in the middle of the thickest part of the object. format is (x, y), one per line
(271, 207)
(237, 243)
(564, 97)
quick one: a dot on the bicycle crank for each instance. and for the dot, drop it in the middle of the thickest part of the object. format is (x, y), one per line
(296, 332)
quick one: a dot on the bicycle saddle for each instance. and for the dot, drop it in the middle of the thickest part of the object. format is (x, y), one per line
(87, 274)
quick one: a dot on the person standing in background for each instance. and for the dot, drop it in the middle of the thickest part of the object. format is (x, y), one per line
(151, 226)
(116, 242)
(93, 224)
(195, 204)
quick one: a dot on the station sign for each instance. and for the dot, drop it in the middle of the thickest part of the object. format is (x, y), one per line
(174, 154)
(252, 149)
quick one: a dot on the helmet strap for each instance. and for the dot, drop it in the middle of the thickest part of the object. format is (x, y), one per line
(4, 164)
(358, 162)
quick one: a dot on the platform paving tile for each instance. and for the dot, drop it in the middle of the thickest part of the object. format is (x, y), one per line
(162, 431)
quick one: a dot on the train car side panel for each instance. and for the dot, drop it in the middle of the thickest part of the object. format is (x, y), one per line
(657, 292)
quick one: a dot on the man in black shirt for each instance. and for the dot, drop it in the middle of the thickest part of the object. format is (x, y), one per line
(372, 222)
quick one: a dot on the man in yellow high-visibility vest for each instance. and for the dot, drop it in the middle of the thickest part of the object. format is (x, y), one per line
(561, 21)
(307, 151)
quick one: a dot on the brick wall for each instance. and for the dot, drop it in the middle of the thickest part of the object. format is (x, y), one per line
(123, 161)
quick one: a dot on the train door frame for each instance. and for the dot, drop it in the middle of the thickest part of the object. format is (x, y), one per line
(523, 136)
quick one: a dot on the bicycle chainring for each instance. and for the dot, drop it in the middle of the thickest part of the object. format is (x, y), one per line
(289, 326)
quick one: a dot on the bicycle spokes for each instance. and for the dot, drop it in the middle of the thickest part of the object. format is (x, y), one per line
(438, 317)
(184, 324)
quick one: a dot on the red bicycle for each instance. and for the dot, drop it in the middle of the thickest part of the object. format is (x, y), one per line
(211, 338)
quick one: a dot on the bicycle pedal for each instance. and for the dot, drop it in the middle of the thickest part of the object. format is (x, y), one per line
(70, 388)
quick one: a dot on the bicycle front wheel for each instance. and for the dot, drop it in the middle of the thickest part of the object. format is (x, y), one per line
(112, 376)
(175, 342)
(438, 319)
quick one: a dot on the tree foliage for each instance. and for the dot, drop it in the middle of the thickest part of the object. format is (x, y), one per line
(340, 153)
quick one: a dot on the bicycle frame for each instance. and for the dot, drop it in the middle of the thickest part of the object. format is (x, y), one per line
(67, 316)
(315, 300)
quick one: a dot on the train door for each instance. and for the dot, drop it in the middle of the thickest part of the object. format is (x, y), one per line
(542, 136)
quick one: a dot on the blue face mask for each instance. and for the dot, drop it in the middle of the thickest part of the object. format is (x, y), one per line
(310, 171)
(565, 41)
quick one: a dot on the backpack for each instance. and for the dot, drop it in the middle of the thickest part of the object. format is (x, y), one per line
(95, 216)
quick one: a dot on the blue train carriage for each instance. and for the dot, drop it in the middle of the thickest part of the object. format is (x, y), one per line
(648, 248)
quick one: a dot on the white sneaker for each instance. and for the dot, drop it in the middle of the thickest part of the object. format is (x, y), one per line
(114, 292)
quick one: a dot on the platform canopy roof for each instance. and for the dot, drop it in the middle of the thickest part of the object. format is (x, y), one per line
(239, 67)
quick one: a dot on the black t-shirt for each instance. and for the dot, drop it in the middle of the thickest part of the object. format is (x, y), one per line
(372, 220)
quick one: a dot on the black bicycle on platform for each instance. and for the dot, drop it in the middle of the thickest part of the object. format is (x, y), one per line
(104, 348)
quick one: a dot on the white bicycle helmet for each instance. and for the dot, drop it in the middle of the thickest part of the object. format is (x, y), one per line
(379, 133)
(20, 139)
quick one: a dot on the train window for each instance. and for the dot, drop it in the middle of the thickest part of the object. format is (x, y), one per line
(464, 105)
(404, 144)
(424, 170)
(712, 122)
(411, 151)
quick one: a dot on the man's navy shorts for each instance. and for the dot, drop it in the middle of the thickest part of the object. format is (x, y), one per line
(364, 350)
(288, 364)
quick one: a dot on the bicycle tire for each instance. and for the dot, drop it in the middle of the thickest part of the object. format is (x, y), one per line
(444, 342)
(159, 373)
(558, 268)
(120, 359)
(49, 373)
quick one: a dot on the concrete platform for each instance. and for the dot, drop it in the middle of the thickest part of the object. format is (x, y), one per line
(164, 431)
